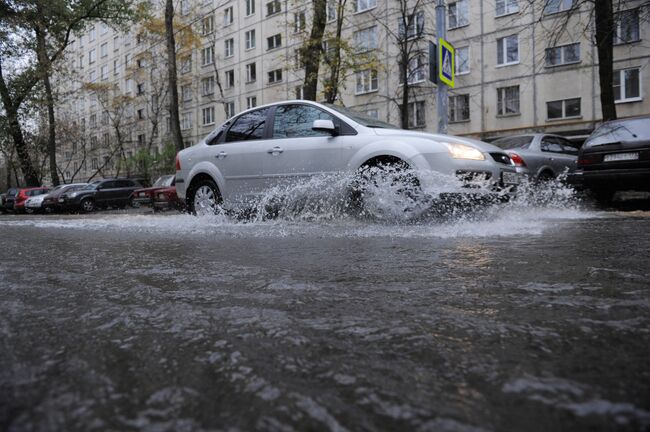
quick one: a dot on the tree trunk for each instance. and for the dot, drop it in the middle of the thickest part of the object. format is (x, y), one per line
(312, 49)
(404, 70)
(332, 90)
(44, 66)
(177, 138)
(604, 17)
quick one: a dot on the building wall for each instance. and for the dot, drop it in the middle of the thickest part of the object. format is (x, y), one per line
(538, 83)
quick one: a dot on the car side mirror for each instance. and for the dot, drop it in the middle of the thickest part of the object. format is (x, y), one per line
(326, 126)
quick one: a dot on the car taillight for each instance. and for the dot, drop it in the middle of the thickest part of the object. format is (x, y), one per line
(518, 160)
(178, 163)
(587, 160)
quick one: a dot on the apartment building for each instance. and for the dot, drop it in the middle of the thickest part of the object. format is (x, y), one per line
(521, 66)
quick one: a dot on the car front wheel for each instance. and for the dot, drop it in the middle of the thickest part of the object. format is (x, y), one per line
(205, 199)
(87, 205)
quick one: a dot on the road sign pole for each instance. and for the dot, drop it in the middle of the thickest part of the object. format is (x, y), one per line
(441, 97)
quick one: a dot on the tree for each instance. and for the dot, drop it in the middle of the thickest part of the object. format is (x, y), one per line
(51, 24)
(312, 49)
(172, 76)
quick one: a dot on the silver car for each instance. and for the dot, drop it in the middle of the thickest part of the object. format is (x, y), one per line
(540, 156)
(293, 140)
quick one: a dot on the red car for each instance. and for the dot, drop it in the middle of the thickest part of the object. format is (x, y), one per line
(16, 198)
(145, 196)
(166, 199)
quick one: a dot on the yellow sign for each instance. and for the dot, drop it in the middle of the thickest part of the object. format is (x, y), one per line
(446, 62)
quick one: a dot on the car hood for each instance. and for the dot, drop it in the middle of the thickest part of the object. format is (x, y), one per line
(36, 199)
(483, 146)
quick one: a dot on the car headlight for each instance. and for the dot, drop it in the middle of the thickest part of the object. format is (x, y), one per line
(462, 151)
(73, 194)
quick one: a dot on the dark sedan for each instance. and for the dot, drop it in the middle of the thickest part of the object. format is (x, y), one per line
(615, 157)
(100, 194)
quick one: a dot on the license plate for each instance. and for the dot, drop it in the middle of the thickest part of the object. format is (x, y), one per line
(621, 157)
(510, 178)
(143, 194)
(61, 200)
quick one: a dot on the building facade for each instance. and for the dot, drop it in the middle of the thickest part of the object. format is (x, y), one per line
(521, 66)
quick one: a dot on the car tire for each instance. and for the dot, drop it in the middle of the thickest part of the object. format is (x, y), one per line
(87, 205)
(204, 199)
(545, 176)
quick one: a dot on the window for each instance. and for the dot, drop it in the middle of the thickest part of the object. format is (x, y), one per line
(207, 25)
(208, 116)
(141, 62)
(230, 78)
(229, 47)
(366, 40)
(627, 85)
(563, 109)
(508, 100)
(91, 34)
(186, 93)
(207, 86)
(140, 113)
(249, 126)
(274, 41)
(414, 24)
(364, 5)
(458, 14)
(127, 60)
(459, 108)
(416, 70)
(116, 43)
(128, 86)
(295, 121)
(207, 55)
(627, 26)
(103, 49)
(251, 102)
(331, 10)
(93, 163)
(91, 56)
(366, 81)
(508, 50)
(249, 37)
(506, 7)
(228, 16)
(299, 22)
(555, 6)
(186, 121)
(140, 88)
(250, 7)
(251, 73)
(81, 62)
(562, 55)
(93, 120)
(229, 108)
(273, 7)
(92, 76)
(275, 76)
(373, 113)
(462, 60)
(186, 64)
(416, 114)
(104, 72)
(185, 7)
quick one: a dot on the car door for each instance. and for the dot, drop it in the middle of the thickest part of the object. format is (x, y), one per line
(556, 154)
(105, 193)
(123, 191)
(237, 154)
(296, 151)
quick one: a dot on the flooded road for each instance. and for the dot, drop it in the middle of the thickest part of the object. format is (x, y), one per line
(518, 318)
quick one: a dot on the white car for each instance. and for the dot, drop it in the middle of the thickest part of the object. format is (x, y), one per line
(293, 140)
(34, 204)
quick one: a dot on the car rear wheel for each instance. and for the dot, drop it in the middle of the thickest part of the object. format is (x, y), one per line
(87, 205)
(205, 199)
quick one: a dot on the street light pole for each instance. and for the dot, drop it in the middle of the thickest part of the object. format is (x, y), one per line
(441, 98)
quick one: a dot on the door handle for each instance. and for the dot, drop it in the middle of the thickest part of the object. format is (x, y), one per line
(221, 155)
(275, 150)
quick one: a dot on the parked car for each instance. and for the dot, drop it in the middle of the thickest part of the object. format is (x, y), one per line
(51, 200)
(286, 141)
(615, 157)
(167, 199)
(16, 197)
(145, 196)
(100, 194)
(540, 156)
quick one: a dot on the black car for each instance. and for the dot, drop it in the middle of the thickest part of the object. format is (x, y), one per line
(615, 157)
(100, 194)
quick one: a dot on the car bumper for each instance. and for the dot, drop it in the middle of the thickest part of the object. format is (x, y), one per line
(618, 179)
(144, 201)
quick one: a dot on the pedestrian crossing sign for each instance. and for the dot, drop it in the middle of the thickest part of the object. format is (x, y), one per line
(446, 60)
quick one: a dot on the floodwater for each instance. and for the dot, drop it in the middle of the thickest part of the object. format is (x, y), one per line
(527, 316)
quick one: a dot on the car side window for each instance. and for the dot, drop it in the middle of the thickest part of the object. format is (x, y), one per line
(108, 185)
(295, 121)
(124, 183)
(569, 148)
(550, 144)
(249, 126)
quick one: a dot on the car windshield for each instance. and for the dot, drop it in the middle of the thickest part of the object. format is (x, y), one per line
(164, 181)
(361, 118)
(625, 130)
(520, 142)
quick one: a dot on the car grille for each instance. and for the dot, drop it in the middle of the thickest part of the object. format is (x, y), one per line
(501, 158)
